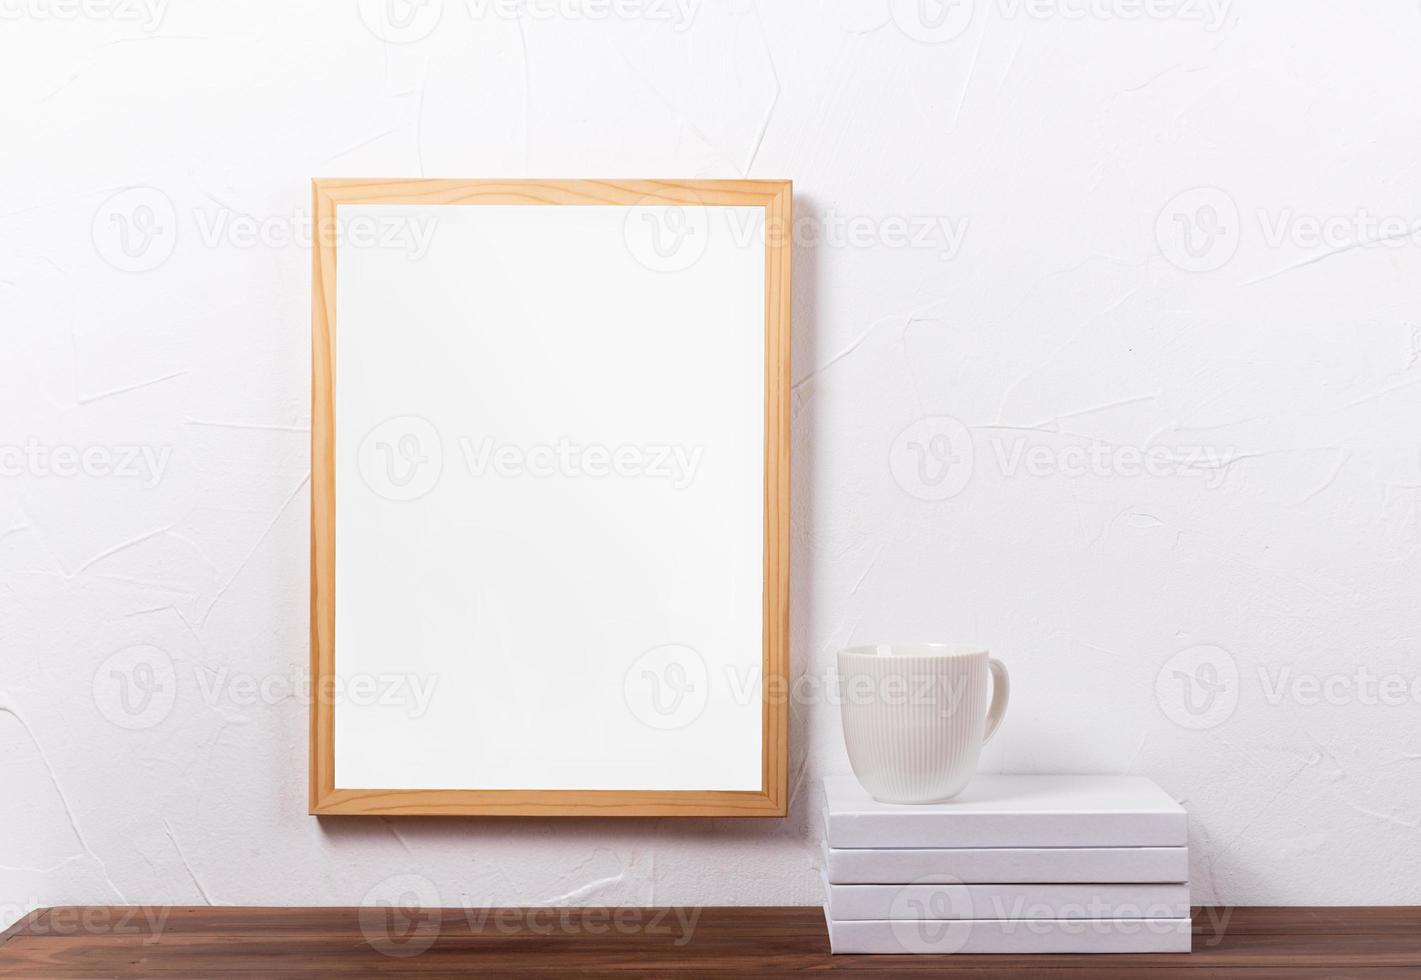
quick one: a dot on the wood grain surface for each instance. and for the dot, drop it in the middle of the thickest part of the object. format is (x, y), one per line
(91, 942)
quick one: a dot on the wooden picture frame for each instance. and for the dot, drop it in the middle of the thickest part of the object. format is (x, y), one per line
(330, 196)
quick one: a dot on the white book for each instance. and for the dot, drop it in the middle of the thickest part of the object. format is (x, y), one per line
(1011, 936)
(999, 810)
(1005, 865)
(1002, 901)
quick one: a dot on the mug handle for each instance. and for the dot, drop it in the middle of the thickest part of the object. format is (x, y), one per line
(1001, 692)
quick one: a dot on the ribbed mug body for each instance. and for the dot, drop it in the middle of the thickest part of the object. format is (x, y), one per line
(914, 718)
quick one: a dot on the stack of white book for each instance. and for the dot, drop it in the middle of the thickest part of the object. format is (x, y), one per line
(1013, 864)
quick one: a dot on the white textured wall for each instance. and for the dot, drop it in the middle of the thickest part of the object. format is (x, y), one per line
(995, 272)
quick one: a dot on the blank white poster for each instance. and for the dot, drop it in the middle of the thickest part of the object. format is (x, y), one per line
(549, 492)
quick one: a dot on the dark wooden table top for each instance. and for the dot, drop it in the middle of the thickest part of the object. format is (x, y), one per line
(156, 941)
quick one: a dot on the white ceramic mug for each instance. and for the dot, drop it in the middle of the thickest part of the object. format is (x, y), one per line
(916, 716)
